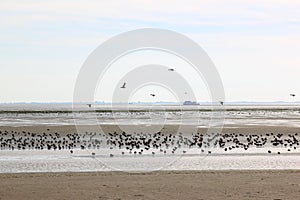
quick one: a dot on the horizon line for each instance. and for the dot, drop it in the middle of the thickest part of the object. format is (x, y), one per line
(138, 102)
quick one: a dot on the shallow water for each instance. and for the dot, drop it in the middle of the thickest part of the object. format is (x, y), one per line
(61, 114)
(82, 161)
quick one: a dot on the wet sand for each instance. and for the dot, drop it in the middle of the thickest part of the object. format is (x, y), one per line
(167, 129)
(156, 185)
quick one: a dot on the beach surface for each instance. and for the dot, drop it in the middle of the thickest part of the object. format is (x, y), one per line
(172, 184)
(280, 184)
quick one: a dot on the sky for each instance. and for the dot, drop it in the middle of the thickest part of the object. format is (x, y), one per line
(254, 45)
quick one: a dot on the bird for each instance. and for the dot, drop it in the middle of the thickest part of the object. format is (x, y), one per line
(222, 103)
(293, 96)
(89, 105)
(171, 69)
(124, 85)
(152, 95)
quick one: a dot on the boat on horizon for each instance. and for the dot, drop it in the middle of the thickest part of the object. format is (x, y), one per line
(191, 103)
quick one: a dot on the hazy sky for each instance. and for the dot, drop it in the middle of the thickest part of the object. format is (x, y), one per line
(254, 44)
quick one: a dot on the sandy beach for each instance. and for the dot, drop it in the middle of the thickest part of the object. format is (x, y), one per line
(157, 185)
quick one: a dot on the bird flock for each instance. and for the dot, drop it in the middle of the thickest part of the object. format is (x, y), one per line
(147, 143)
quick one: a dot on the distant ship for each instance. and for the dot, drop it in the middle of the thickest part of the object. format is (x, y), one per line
(190, 103)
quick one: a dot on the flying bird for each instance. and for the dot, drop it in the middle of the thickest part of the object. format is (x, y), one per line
(292, 95)
(123, 86)
(89, 105)
(171, 69)
(152, 95)
(222, 103)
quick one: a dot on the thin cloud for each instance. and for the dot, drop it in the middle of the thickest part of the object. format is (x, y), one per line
(175, 12)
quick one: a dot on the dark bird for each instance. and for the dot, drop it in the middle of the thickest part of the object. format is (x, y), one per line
(292, 95)
(171, 70)
(222, 103)
(152, 95)
(124, 85)
(89, 105)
